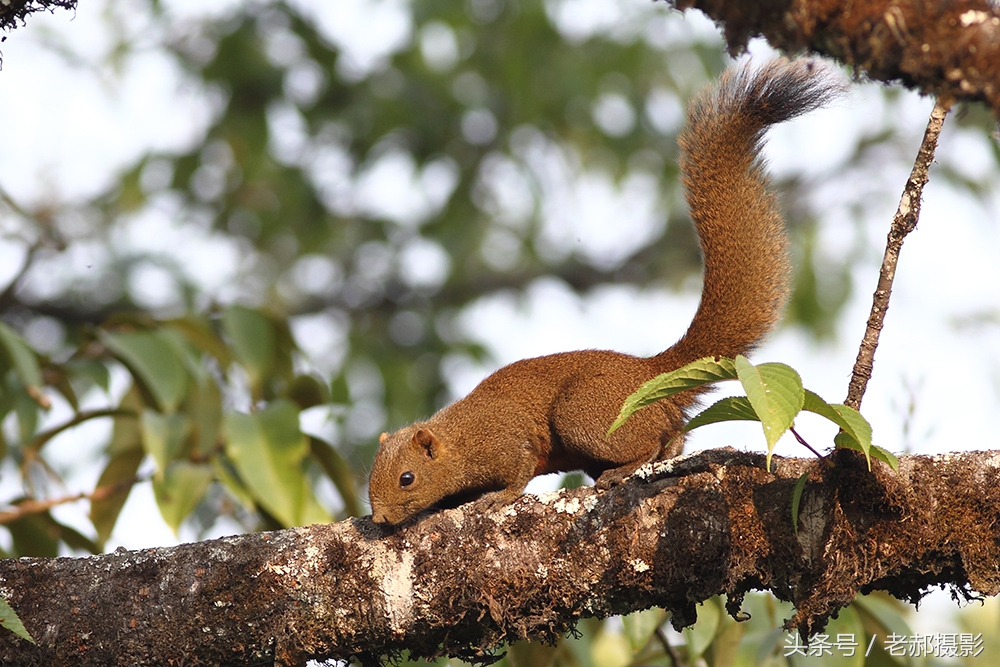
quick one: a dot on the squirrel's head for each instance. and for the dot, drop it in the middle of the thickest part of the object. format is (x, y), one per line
(406, 472)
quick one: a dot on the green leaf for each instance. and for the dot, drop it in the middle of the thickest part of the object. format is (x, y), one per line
(59, 380)
(204, 409)
(267, 449)
(39, 534)
(35, 535)
(339, 472)
(885, 456)
(731, 408)
(339, 391)
(313, 512)
(640, 626)
(888, 613)
(24, 359)
(726, 645)
(126, 435)
(87, 372)
(690, 376)
(27, 415)
(307, 392)
(699, 636)
(226, 474)
(10, 620)
(253, 341)
(74, 539)
(762, 632)
(200, 333)
(842, 633)
(285, 347)
(154, 362)
(857, 432)
(847, 442)
(179, 490)
(185, 353)
(104, 510)
(604, 648)
(800, 486)
(776, 394)
(164, 436)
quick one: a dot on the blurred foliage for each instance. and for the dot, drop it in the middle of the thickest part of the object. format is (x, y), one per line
(355, 212)
(873, 631)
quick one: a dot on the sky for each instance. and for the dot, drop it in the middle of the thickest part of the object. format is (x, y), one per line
(936, 385)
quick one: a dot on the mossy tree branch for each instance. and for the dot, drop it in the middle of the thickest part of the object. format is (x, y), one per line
(466, 581)
(948, 49)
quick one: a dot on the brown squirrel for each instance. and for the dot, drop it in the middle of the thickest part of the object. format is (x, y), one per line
(552, 413)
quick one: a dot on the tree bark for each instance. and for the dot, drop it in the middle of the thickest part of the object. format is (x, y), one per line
(466, 581)
(948, 49)
(14, 12)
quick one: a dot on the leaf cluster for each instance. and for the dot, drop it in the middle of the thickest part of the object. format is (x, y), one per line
(774, 397)
(180, 413)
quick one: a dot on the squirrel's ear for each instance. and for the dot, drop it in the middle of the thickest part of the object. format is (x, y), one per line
(382, 438)
(426, 439)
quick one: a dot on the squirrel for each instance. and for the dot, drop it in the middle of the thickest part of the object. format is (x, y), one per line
(552, 413)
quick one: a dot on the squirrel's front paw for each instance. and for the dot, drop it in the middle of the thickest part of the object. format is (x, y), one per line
(613, 477)
(494, 500)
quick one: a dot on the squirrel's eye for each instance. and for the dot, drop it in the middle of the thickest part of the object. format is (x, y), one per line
(406, 479)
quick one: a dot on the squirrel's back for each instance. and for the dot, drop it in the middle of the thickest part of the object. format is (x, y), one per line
(742, 234)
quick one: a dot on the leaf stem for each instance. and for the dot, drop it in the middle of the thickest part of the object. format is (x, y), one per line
(802, 441)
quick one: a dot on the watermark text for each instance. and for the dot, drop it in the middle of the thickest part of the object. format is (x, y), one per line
(938, 645)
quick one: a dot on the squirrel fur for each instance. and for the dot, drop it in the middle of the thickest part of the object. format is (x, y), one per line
(552, 413)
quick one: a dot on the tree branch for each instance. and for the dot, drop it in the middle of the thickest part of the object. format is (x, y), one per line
(904, 222)
(948, 49)
(15, 11)
(33, 506)
(466, 581)
(41, 439)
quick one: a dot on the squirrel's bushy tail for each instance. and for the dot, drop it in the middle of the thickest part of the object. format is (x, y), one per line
(743, 238)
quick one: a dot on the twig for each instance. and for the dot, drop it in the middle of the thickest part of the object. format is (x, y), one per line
(902, 224)
(38, 506)
(48, 236)
(39, 440)
(7, 296)
(675, 658)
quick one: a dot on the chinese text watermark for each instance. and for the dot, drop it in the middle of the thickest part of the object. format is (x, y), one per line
(938, 645)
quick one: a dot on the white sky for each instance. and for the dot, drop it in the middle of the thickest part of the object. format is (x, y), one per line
(77, 123)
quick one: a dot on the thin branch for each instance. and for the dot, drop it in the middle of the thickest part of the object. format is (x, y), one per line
(80, 417)
(7, 296)
(903, 223)
(13, 205)
(38, 506)
(29, 257)
(675, 658)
